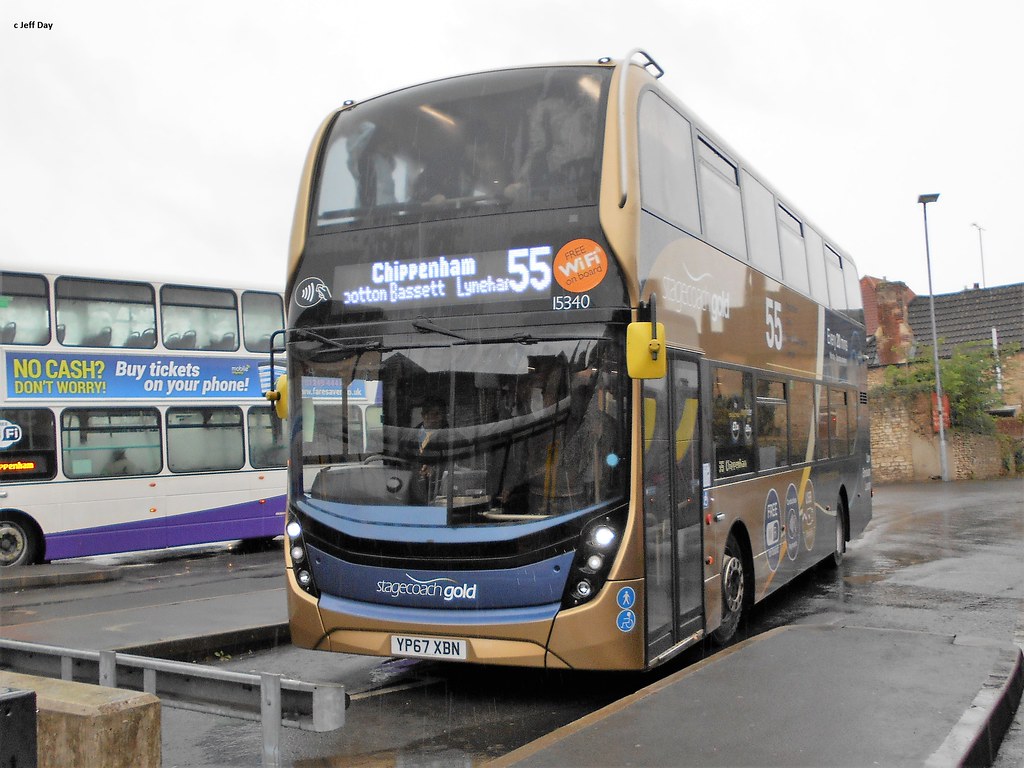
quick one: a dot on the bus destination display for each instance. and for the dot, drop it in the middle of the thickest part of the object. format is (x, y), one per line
(515, 274)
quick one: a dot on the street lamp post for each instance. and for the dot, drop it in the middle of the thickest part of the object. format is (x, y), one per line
(924, 200)
(981, 250)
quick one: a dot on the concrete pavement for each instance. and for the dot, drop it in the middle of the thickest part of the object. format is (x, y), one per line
(807, 695)
(183, 630)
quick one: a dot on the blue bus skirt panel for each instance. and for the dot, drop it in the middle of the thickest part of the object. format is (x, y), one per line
(538, 584)
(394, 614)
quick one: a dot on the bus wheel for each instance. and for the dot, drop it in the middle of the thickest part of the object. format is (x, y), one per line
(840, 547)
(17, 542)
(734, 592)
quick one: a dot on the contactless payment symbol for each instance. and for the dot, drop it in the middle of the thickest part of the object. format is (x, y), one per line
(311, 292)
(580, 265)
(626, 597)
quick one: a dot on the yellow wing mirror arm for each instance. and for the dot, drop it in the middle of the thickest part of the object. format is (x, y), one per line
(278, 396)
(645, 344)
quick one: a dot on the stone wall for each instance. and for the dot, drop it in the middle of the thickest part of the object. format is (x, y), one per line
(974, 457)
(905, 449)
(891, 455)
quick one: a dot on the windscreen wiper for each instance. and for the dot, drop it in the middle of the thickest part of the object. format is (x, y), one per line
(362, 346)
(423, 325)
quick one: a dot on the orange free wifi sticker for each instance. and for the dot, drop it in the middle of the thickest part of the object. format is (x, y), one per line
(580, 265)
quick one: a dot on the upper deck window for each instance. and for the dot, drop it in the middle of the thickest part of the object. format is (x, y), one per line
(199, 318)
(836, 286)
(668, 181)
(515, 140)
(24, 309)
(104, 313)
(262, 314)
(794, 254)
(720, 200)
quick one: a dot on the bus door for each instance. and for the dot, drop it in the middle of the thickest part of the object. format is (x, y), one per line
(672, 494)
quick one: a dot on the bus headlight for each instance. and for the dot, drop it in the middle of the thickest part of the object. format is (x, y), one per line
(583, 590)
(595, 554)
(603, 536)
(299, 559)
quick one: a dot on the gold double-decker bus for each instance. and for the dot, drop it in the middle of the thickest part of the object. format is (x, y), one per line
(569, 384)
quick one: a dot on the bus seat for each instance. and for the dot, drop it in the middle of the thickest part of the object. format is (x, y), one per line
(188, 340)
(101, 339)
(173, 341)
(148, 338)
(134, 340)
(263, 345)
(8, 333)
(61, 330)
(227, 341)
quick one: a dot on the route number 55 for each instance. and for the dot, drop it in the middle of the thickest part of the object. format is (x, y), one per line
(773, 319)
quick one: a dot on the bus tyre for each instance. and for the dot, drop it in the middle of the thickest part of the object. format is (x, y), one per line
(734, 592)
(840, 545)
(17, 542)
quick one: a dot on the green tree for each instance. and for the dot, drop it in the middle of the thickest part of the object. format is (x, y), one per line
(968, 380)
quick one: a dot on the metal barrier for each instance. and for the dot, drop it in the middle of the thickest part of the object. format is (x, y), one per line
(271, 699)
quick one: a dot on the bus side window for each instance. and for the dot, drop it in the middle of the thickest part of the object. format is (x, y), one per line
(102, 313)
(772, 422)
(801, 419)
(267, 439)
(24, 309)
(204, 439)
(732, 426)
(100, 442)
(262, 314)
(197, 318)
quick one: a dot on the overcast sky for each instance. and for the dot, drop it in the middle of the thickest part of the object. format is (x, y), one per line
(166, 138)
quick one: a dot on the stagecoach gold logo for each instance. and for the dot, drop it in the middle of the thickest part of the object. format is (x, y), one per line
(449, 591)
(681, 295)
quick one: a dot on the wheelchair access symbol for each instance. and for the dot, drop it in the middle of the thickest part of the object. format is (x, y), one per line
(626, 621)
(626, 599)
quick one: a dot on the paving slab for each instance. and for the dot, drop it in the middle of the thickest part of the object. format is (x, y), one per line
(806, 696)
